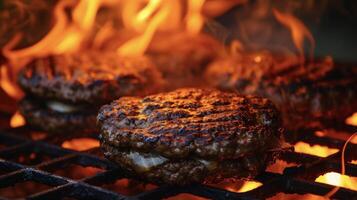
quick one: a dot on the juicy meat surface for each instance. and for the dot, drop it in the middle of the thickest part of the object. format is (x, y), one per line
(191, 135)
(306, 96)
(200, 122)
(91, 77)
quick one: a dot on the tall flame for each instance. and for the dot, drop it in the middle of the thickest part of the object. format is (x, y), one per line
(158, 15)
(299, 32)
(194, 17)
(65, 36)
(138, 45)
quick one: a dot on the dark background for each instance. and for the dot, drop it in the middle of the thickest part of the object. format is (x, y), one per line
(333, 23)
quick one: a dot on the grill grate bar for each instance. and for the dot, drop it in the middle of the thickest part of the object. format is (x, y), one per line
(297, 179)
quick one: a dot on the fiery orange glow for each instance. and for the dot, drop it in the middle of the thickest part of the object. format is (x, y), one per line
(337, 179)
(316, 150)
(237, 185)
(336, 135)
(6, 84)
(129, 187)
(73, 30)
(65, 36)
(17, 120)
(352, 120)
(279, 166)
(186, 196)
(283, 196)
(298, 32)
(247, 186)
(37, 135)
(80, 144)
(138, 45)
(213, 8)
(194, 17)
(159, 15)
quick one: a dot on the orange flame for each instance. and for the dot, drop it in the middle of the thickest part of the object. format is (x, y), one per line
(65, 36)
(80, 144)
(158, 15)
(138, 45)
(6, 83)
(194, 17)
(298, 32)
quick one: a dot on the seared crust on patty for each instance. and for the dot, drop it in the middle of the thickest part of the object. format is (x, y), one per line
(306, 96)
(200, 122)
(38, 115)
(92, 77)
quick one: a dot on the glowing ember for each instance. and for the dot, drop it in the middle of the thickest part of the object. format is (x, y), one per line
(247, 186)
(352, 120)
(237, 185)
(283, 196)
(279, 166)
(80, 144)
(17, 120)
(337, 179)
(36, 135)
(129, 187)
(336, 135)
(186, 196)
(316, 150)
(298, 32)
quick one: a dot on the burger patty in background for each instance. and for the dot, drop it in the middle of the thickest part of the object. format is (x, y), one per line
(307, 95)
(64, 93)
(191, 135)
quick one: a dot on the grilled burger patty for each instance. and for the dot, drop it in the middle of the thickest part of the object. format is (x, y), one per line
(92, 77)
(67, 90)
(162, 137)
(306, 96)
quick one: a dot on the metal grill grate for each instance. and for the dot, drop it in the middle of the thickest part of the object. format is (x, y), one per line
(26, 160)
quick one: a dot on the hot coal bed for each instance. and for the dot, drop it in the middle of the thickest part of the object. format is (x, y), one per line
(35, 164)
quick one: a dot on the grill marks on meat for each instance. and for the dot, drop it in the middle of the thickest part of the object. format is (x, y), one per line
(191, 121)
(191, 134)
(92, 77)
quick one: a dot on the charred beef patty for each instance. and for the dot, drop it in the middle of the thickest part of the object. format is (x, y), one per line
(307, 96)
(191, 135)
(68, 90)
